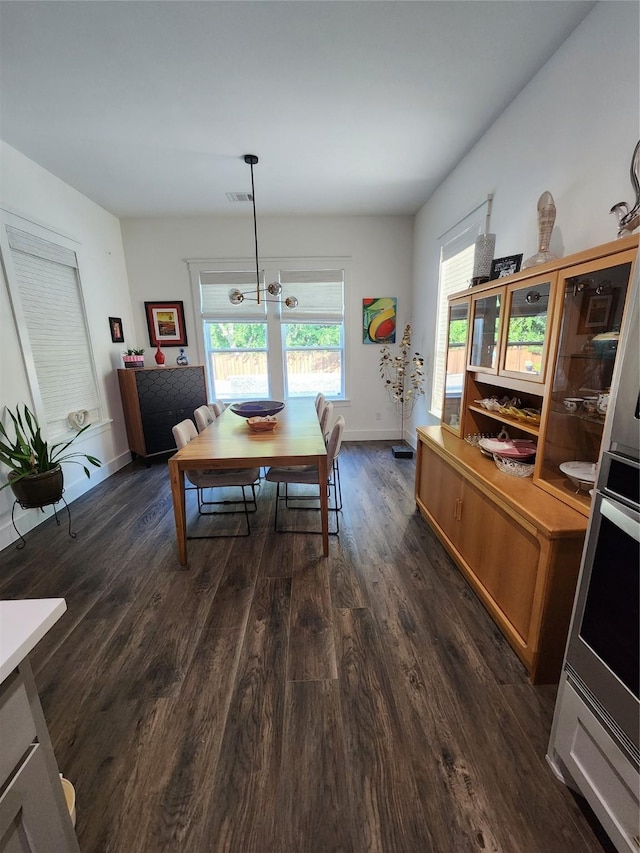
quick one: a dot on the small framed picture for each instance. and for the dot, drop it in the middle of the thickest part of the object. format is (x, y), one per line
(598, 311)
(165, 321)
(500, 267)
(117, 333)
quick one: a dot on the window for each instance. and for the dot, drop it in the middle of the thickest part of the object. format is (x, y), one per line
(44, 283)
(259, 351)
(313, 333)
(456, 270)
(235, 338)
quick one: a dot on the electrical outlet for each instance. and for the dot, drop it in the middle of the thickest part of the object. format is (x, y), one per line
(378, 416)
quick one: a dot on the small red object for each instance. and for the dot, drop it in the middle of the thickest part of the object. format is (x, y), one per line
(159, 356)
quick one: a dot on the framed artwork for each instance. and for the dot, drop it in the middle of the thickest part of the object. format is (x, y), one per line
(500, 267)
(598, 311)
(165, 321)
(379, 320)
(117, 332)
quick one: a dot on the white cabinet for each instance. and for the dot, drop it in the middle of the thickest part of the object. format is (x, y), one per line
(583, 756)
(33, 811)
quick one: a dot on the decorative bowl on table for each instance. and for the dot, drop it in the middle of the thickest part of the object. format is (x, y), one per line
(257, 408)
(581, 474)
(265, 424)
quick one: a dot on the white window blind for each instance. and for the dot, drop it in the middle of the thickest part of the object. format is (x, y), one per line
(214, 295)
(48, 288)
(456, 270)
(320, 295)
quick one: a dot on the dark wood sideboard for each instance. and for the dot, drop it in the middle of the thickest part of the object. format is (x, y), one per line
(154, 399)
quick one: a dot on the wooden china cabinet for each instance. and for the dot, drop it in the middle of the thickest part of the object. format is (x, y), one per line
(534, 339)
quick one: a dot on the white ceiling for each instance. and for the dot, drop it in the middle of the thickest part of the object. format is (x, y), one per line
(352, 107)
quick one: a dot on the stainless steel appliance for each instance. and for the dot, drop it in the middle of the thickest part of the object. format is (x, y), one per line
(595, 739)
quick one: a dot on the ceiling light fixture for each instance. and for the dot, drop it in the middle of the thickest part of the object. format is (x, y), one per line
(237, 296)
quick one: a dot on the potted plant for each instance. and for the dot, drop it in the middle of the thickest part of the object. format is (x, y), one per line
(35, 475)
(403, 378)
(133, 358)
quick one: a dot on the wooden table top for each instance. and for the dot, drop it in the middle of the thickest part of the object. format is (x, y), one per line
(228, 441)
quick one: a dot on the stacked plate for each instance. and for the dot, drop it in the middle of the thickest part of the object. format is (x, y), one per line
(517, 448)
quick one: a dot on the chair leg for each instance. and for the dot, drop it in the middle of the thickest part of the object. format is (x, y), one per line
(335, 509)
(245, 510)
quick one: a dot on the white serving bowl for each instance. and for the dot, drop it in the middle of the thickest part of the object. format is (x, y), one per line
(581, 474)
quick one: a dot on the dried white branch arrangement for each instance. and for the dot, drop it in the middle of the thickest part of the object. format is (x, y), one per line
(402, 375)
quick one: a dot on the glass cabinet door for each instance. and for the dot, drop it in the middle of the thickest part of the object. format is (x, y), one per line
(485, 334)
(593, 306)
(456, 363)
(527, 321)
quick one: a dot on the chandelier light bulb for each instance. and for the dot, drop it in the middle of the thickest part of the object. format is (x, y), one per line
(274, 289)
(291, 302)
(236, 296)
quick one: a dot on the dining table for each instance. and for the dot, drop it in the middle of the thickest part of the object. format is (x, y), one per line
(229, 442)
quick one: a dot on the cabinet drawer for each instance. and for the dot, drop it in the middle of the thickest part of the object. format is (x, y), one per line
(17, 726)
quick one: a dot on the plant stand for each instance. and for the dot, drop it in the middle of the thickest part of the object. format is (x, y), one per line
(20, 545)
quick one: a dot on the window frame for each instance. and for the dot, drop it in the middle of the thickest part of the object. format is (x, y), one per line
(458, 239)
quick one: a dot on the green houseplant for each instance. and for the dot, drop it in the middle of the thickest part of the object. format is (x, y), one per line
(35, 475)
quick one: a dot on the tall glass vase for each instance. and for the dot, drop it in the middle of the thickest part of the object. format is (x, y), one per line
(546, 220)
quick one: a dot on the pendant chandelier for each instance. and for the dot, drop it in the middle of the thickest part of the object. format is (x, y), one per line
(237, 296)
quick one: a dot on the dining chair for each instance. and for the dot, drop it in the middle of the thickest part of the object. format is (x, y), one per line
(325, 419)
(183, 433)
(319, 403)
(217, 407)
(204, 416)
(308, 475)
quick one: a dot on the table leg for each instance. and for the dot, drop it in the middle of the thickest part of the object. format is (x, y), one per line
(324, 503)
(176, 476)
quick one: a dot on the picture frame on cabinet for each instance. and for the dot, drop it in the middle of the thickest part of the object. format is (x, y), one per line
(165, 322)
(501, 267)
(117, 332)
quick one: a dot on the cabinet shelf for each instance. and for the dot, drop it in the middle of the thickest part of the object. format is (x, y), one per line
(532, 429)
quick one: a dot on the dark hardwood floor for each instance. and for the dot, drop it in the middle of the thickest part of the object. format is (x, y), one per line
(267, 700)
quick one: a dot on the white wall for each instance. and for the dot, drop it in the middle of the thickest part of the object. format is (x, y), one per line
(571, 131)
(32, 192)
(381, 265)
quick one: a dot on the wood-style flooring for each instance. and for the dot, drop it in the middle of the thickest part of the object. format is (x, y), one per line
(267, 700)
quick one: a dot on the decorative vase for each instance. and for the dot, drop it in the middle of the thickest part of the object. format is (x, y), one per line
(38, 490)
(182, 359)
(483, 255)
(159, 356)
(546, 220)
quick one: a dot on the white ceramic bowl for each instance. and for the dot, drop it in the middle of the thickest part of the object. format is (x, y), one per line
(581, 474)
